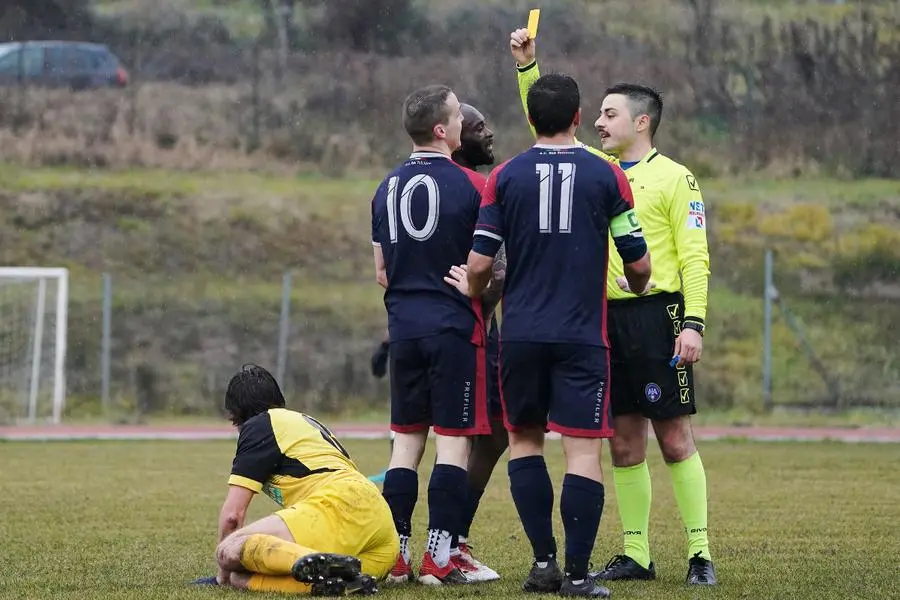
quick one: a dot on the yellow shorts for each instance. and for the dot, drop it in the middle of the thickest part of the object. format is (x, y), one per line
(347, 515)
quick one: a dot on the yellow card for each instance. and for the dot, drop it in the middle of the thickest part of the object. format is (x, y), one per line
(533, 17)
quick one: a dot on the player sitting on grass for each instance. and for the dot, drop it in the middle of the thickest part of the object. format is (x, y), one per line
(334, 534)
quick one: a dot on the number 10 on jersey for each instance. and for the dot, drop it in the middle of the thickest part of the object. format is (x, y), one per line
(433, 196)
(545, 174)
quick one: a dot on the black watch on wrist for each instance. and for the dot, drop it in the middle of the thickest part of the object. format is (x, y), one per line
(695, 325)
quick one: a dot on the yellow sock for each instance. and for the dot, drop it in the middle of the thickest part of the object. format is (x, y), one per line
(689, 482)
(284, 584)
(270, 555)
(633, 493)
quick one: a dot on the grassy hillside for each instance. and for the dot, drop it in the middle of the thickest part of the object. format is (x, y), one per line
(197, 261)
(639, 17)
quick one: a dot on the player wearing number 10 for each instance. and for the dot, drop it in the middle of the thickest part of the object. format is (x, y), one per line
(423, 218)
(334, 533)
(554, 206)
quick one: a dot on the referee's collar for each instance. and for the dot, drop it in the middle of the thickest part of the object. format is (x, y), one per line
(650, 156)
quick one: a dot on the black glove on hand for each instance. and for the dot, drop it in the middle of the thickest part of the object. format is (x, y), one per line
(380, 359)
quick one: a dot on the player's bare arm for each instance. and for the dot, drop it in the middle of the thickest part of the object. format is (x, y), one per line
(494, 292)
(638, 273)
(380, 268)
(478, 273)
(231, 518)
(490, 298)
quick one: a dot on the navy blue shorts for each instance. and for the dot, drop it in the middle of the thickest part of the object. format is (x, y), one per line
(439, 381)
(495, 408)
(560, 387)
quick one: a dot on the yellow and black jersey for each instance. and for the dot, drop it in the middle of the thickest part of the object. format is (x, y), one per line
(672, 214)
(287, 455)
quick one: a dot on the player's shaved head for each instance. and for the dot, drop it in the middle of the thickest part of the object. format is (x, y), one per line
(553, 104)
(251, 391)
(471, 115)
(423, 109)
(642, 100)
(476, 139)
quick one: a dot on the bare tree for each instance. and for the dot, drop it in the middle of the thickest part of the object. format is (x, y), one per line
(279, 17)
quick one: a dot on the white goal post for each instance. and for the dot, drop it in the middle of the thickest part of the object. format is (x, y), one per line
(34, 305)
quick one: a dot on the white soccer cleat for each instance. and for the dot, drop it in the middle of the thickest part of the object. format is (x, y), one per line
(474, 570)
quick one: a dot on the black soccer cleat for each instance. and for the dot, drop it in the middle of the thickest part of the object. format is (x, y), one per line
(315, 568)
(624, 568)
(364, 585)
(544, 580)
(588, 588)
(700, 571)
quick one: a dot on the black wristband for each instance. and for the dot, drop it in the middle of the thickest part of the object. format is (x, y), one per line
(527, 67)
(695, 325)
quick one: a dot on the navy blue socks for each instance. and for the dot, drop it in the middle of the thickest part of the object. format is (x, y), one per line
(532, 493)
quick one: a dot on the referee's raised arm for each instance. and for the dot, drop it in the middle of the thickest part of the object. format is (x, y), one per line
(522, 46)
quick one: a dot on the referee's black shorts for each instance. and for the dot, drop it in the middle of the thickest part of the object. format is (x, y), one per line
(642, 334)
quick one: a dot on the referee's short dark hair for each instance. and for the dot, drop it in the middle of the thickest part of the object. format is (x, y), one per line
(553, 101)
(642, 100)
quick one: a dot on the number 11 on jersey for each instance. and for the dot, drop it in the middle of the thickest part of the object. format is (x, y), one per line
(566, 191)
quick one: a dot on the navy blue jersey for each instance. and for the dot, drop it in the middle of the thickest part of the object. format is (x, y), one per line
(553, 207)
(423, 217)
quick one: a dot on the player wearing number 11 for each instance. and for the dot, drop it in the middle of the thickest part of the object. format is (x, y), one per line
(647, 332)
(554, 206)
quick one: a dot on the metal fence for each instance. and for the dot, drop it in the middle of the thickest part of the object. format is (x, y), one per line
(154, 356)
(827, 353)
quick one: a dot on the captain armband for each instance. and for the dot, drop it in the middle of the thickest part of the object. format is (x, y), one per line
(628, 236)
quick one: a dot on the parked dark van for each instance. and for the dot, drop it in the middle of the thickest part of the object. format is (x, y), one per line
(76, 65)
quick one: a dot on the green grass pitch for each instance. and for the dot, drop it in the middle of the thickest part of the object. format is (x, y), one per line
(137, 520)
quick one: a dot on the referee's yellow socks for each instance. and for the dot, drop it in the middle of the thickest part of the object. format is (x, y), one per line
(633, 494)
(689, 483)
(271, 555)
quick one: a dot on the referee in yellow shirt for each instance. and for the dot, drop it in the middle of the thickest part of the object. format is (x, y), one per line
(647, 332)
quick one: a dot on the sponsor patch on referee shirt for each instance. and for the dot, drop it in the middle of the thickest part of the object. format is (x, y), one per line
(696, 215)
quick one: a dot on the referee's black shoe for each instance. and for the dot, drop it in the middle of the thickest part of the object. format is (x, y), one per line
(700, 571)
(624, 568)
